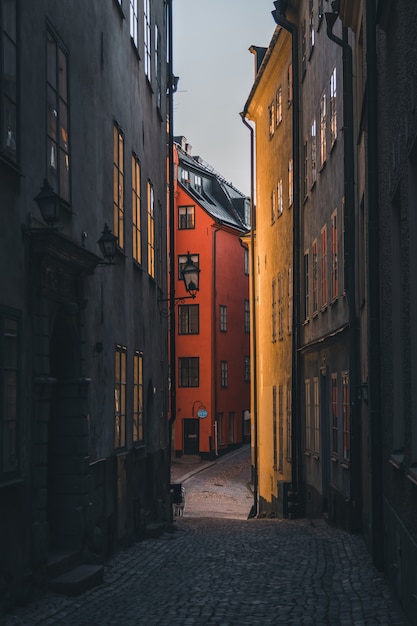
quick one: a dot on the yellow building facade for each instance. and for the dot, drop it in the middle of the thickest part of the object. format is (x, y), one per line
(269, 108)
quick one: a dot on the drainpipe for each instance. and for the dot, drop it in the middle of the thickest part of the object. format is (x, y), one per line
(214, 320)
(296, 467)
(374, 290)
(350, 270)
(254, 511)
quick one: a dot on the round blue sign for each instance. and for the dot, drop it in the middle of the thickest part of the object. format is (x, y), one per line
(202, 413)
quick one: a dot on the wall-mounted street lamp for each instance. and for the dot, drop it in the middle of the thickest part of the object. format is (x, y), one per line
(191, 276)
(49, 204)
(107, 244)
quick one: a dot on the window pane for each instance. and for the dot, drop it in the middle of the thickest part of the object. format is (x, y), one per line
(51, 60)
(62, 75)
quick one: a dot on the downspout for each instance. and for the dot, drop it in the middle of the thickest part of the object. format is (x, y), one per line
(254, 511)
(350, 270)
(374, 290)
(214, 319)
(296, 467)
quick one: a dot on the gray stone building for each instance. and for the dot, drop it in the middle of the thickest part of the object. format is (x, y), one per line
(84, 444)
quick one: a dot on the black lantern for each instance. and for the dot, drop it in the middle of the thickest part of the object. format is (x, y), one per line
(190, 274)
(48, 203)
(107, 243)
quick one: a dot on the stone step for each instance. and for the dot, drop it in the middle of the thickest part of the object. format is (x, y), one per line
(78, 580)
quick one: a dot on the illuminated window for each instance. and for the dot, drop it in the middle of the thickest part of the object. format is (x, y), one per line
(323, 122)
(134, 21)
(188, 319)
(136, 225)
(223, 318)
(9, 392)
(324, 266)
(333, 107)
(151, 230)
(138, 434)
(313, 151)
(118, 186)
(224, 378)
(58, 142)
(120, 397)
(186, 217)
(188, 371)
(8, 80)
(147, 37)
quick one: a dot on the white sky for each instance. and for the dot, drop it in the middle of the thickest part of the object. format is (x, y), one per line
(211, 56)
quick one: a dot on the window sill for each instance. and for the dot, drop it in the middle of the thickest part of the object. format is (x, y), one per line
(322, 167)
(307, 453)
(12, 165)
(345, 465)
(397, 460)
(316, 456)
(332, 147)
(333, 301)
(306, 321)
(313, 184)
(334, 458)
(412, 475)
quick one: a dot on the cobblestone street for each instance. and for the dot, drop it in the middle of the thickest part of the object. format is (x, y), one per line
(230, 572)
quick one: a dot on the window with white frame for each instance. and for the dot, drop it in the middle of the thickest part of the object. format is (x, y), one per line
(134, 21)
(323, 123)
(185, 176)
(316, 408)
(313, 151)
(335, 261)
(9, 69)
(324, 266)
(278, 106)
(280, 198)
(315, 277)
(333, 107)
(147, 52)
(198, 183)
(290, 183)
(271, 112)
(312, 34)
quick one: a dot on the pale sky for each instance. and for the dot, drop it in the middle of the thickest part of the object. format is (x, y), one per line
(211, 56)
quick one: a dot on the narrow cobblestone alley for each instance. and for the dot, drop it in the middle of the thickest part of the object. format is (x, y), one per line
(211, 571)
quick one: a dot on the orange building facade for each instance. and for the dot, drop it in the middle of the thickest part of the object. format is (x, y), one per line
(212, 329)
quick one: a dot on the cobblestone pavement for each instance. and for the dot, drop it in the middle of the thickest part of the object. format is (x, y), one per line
(211, 571)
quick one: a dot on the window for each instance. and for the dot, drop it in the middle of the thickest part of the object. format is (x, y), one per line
(247, 368)
(246, 262)
(303, 48)
(58, 143)
(289, 423)
(10, 393)
(198, 183)
(274, 426)
(289, 84)
(188, 319)
(290, 183)
(335, 266)
(324, 266)
(189, 371)
(158, 71)
(147, 37)
(185, 176)
(323, 146)
(138, 434)
(182, 261)
(247, 211)
(313, 151)
(231, 427)
(151, 230)
(274, 309)
(136, 218)
(273, 206)
(280, 198)
(118, 185)
(280, 307)
(247, 316)
(308, 415)
(280, 430)
(333, 107)
(271, 112)
(315, 278)
(8, 80)
(120, 397)
(186, 217)
(316, 416)
(306, 294)
(290, 298)
(335, 411)
(278, 106)
(223, 374)
(305, 168)
(223, 318)
(134, 21)
(346, 416)
(311, 27)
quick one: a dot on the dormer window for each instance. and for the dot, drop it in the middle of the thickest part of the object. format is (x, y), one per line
(185, 176)
(198, 183)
